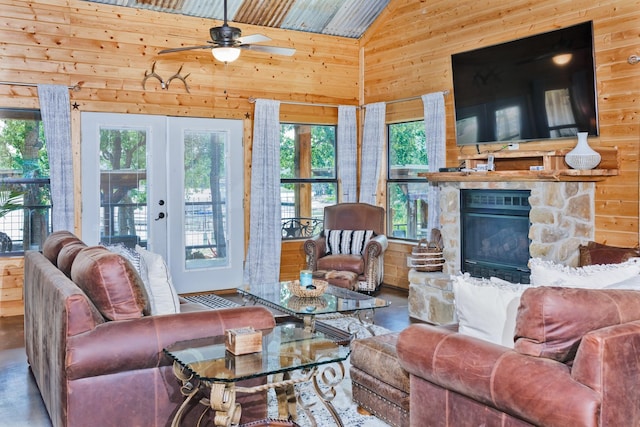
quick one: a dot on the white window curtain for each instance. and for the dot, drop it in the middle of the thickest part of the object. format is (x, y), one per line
(262, 264)
(347, 162)
(435, 140)
(56, 117)
(372, 148)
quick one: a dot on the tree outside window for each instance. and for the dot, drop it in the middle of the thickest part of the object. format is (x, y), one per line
(25, 197)
(308, 179)
(407, 207)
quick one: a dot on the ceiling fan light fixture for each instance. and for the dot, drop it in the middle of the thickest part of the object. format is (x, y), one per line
(226, 54)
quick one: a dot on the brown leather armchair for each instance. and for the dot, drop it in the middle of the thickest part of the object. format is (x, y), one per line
(369, 264)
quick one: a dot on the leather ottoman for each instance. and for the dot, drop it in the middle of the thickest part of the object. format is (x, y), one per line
(379, 384)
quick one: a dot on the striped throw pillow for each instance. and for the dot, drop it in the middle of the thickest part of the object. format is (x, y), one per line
(347, 242)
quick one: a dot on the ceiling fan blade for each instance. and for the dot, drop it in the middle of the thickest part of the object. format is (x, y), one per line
(180, 49)
(270, 49)
(253, 38)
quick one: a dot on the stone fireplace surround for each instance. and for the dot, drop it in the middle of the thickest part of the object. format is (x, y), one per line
(562, 218)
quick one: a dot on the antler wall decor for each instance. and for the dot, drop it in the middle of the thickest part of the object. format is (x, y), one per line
(165, 84)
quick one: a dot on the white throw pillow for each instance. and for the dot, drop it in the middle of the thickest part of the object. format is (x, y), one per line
(157, 280)
(549, 273)
(487, 308)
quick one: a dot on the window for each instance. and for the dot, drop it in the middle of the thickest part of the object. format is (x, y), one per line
(308, 179)
(25, 198)
(407, 192)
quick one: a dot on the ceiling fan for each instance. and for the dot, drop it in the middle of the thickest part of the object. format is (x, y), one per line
(226, 43)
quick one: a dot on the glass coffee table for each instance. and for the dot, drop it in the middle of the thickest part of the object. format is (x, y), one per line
(334, 301)
(209, 372)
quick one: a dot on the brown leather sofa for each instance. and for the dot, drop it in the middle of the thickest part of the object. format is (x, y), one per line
(575, 363)
(369, 265)
(99, 360)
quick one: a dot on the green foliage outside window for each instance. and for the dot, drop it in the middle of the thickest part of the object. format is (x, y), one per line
(24, 179)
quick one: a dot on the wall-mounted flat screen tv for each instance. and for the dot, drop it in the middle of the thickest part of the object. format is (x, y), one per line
(535, 88)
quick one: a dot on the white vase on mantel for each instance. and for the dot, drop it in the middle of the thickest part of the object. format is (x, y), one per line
(582, 157)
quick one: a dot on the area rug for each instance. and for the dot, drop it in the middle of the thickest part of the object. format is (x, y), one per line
(342, 402)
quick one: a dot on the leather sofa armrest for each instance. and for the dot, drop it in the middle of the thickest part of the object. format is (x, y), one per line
(314, 248)
(126, 345)
(606, 362)
(375, 247)
(540, 391)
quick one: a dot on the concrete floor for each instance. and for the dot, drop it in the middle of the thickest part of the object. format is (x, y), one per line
(20, 402)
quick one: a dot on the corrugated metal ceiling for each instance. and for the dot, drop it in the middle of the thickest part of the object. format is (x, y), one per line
(345, 18)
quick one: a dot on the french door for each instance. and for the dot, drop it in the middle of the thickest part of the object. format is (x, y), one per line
(173, 185)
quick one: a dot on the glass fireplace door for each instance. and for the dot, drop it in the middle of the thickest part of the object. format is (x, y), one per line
(495, 234)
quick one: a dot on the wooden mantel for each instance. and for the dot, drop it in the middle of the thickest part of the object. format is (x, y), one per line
(515, 166)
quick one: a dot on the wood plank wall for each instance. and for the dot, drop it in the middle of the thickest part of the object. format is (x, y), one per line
(107, 49)
(11, 278)
(407, 52)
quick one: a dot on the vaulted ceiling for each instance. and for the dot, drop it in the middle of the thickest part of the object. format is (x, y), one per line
(345, 18)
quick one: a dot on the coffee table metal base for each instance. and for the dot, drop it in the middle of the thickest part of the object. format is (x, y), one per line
(222, 396)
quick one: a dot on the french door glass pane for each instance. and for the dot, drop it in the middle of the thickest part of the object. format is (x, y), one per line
(205, 197)
(123, 186)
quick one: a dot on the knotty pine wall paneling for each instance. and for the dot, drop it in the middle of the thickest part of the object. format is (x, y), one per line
(106, 50)
(11, 279)
(407, 52)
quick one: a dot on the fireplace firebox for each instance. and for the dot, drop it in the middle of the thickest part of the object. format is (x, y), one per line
(495, 233)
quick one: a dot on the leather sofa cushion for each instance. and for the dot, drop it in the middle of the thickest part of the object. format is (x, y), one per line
(68, 254)
(597, 253)
(55, 242)
(353, 263)
(551, 321)
(111, 282)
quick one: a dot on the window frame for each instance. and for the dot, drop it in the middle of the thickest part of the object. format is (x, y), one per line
(308, 224)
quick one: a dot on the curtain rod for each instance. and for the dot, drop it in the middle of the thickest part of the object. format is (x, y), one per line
(412, 98)
(74, 88)
(252, 100)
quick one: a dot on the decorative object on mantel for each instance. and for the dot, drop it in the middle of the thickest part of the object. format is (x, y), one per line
(427, 255)
(165, 84)
(582, 157)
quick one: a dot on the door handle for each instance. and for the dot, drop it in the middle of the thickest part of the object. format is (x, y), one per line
(161, 215)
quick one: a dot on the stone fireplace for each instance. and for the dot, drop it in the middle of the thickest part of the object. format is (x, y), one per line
(561, 218)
